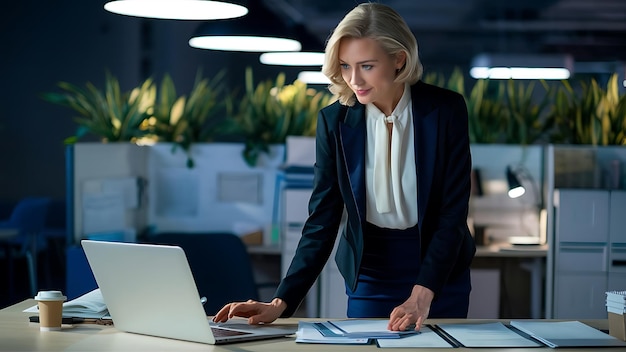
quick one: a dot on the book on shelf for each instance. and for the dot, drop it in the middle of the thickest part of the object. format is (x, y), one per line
(90, 305)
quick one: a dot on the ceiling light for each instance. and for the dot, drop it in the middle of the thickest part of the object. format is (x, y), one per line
(244, 43)
(313, 77)
(177, 9)
(505, 66)
(297, 58)
(260, 30)
(312, 53)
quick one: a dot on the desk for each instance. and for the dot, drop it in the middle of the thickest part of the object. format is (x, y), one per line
(265, 271)
(17, 334)
(535, 265)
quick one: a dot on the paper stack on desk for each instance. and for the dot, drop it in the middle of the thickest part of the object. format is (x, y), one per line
(616, 302)
(90, 305)
(349, 331)
(616, 310)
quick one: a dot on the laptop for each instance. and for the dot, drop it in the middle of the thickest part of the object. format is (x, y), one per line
(150, 290)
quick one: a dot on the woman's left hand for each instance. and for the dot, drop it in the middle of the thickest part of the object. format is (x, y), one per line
(413, 311)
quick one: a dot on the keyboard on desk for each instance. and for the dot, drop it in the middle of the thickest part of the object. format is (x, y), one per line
(217, 332)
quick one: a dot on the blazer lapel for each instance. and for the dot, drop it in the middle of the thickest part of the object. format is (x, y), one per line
(353, 136)
(425, 126)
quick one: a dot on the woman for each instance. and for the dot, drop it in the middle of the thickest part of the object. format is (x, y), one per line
(394, 153)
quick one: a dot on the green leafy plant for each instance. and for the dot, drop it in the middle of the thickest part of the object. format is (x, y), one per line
(111, 114)
(502, 111)
(486, 115)
(185, 120)
(525, 117)
(595, 116)
(270, 111)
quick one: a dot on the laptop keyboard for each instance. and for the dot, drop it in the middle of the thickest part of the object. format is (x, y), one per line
(217, 332)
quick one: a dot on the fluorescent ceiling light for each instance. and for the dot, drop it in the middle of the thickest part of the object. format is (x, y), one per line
(506, 66)
(177, 9)
(244, 43)
(260, 30)
(519, 73)
(313, 77)
(298, 58)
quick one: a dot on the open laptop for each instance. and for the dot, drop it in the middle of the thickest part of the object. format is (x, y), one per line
(150, 290)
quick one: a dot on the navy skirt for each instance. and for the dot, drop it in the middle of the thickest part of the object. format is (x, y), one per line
(389, 268)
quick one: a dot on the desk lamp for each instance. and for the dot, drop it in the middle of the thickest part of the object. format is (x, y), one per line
(516, 189)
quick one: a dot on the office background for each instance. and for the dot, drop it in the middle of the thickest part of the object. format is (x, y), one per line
(77, 41)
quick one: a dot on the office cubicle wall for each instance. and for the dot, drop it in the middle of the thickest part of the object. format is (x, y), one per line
(107, 179)
(121, 189)
(221, 193)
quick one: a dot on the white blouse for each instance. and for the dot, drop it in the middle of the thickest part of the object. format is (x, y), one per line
(390, 176)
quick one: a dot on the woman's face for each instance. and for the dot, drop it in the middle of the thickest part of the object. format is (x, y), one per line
(370, 72)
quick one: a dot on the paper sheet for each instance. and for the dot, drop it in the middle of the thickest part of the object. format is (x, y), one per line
(426, 338)
(307, 333)
(487, 335)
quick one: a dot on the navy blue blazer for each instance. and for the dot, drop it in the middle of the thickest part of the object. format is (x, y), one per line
(443, 164)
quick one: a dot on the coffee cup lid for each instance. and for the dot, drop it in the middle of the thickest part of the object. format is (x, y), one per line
(50, 296)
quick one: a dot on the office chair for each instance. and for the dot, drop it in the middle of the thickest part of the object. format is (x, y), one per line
(220, 265)
(27, 220)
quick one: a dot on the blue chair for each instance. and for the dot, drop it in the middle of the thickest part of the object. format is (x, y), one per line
(25, 226)
(220, 265)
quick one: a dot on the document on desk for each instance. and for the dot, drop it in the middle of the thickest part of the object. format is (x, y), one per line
(566, 334)
(427, 338)
(350, 331)
(308, 333)
(486, 335)
(367, 328)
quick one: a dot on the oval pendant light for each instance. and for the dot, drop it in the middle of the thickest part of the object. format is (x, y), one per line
(259, 31)
(177, 9)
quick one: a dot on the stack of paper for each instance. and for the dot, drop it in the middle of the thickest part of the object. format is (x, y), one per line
(350, 331)
(486, 335)
(89, 305)
(616, 302)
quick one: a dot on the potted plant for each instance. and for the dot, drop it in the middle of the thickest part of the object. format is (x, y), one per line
(111, 114)
(526, 119)
(184, 120)
(486, 116)
(595, 116)
(270, 111)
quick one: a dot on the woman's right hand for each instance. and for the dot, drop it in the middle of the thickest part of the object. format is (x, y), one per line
(256, 312)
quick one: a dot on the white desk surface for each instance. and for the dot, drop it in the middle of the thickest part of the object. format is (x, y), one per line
(512, 251)
(499, 250)
(17, 334)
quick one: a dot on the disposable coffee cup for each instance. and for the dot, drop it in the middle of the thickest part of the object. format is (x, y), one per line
(50, 305)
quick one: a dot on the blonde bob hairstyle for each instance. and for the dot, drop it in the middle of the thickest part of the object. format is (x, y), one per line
(387, 27)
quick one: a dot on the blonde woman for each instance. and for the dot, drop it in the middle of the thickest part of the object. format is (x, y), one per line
(394, 152)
